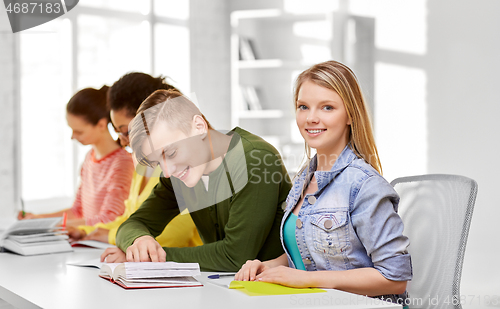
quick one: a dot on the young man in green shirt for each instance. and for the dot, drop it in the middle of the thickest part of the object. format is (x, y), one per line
(232, 184)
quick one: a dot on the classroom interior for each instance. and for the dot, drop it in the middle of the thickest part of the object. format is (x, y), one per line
(429, 70)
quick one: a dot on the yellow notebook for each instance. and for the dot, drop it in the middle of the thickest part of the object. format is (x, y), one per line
(258, 288)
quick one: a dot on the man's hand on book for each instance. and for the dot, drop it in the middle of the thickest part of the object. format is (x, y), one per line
(146, 249)
(113, 255)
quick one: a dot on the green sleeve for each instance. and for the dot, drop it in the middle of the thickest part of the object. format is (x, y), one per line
(152, 217)
(253, 212)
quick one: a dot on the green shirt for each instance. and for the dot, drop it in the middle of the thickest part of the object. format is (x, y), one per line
(242, 227)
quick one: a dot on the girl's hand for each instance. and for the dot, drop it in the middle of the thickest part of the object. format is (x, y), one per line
(113, 255)
(98, 234)
(27, 215)
(75, 234)
(249, 270)
(287, 276)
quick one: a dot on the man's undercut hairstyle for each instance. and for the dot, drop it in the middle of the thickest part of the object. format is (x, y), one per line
(168, 106)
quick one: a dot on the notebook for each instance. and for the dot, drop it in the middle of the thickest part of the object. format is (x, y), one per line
(258, 288)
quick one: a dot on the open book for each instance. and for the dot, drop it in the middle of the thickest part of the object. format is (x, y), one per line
(36, 236)
(134, 275)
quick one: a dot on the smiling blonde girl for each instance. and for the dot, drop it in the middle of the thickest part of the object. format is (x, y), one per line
(341, 229)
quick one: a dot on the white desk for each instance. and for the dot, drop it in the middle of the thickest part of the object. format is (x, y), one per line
(45, 281)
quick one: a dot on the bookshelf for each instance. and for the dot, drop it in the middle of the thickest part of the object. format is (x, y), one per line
(269, 48)
(266, 57)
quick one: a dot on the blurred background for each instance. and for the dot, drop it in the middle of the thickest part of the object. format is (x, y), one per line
(429, 70)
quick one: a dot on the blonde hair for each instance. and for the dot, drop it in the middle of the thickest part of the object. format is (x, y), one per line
(336, 76)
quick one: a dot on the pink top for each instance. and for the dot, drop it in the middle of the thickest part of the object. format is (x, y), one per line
(104, 187)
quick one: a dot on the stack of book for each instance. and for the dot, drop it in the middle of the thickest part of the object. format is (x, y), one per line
(134, 275)
(36, 236)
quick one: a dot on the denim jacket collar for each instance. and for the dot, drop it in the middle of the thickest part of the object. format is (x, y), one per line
(323, 178)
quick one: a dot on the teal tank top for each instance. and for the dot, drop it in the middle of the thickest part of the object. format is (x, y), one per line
(291, 242)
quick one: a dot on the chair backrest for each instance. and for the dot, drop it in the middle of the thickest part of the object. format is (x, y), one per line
(436, 212)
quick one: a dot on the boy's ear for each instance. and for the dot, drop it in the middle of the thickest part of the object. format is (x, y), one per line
(200, 126)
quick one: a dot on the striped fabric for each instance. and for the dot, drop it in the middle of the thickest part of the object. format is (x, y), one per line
(104, 186)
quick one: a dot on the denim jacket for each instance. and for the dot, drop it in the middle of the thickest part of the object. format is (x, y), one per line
(350, 222)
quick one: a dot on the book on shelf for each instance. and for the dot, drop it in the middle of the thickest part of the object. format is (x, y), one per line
(143, 275)
(247, 49)
(250, 98)
(36, 236)
(243, 98)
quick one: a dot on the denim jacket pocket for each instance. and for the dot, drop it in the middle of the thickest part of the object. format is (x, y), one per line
(330, 232)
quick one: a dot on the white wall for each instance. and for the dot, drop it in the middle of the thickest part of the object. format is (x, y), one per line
(210, 65)
(9, 106)
(440, 107)
(463, 66)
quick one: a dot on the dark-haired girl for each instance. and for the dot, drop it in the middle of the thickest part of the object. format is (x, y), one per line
(107, 170)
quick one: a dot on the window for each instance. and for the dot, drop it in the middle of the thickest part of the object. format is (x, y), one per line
(97, 43)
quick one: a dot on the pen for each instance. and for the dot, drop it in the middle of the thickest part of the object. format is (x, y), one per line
(23, 213)
(65, 216)
(217, 276)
